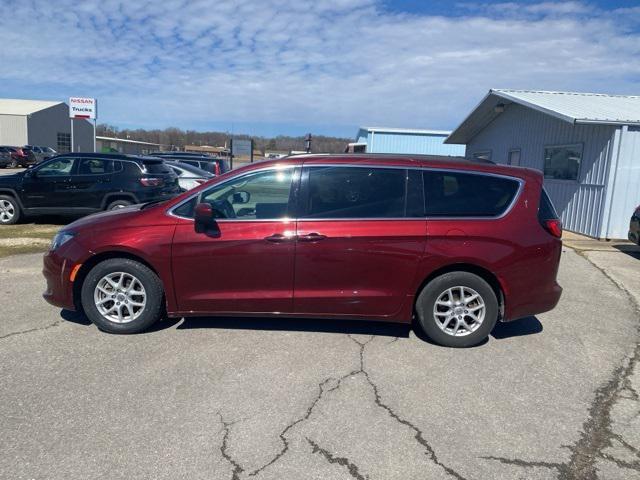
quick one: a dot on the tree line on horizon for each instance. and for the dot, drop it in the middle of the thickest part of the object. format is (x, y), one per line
(178, 138)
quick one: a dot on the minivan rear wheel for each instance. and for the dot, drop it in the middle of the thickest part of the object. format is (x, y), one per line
(121, 295)
(457, 309)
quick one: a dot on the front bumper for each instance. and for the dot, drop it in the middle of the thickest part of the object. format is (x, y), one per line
(56, 271)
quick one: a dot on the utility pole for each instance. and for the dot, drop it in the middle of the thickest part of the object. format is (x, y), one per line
(307, 143)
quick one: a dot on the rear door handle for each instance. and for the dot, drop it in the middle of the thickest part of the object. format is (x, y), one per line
(279, 238)
(311, 237)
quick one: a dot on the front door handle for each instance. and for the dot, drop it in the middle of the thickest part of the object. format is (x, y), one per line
(311, 237)
(279, 238)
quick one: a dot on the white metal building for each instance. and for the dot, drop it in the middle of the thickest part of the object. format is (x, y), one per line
(587, 145)
(401, 140)
(42, 123)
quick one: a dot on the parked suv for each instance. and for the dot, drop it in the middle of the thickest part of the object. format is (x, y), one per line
(20, 157)
(41, 153)
(458, 244)
(5, 157)
(82, 183)
(634, 226)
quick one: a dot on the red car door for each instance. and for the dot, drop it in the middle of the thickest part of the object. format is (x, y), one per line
(249, 266)
(361, 234)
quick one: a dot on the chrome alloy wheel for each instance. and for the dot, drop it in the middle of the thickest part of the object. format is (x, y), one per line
(459, 311)
(7, 211)
(120, 297)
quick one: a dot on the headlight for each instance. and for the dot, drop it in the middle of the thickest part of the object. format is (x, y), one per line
(60, 239)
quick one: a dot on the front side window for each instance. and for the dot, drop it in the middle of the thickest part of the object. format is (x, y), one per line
(57, 168)
(355, 192)
(256, 196)
(457, 194)
(562, 162)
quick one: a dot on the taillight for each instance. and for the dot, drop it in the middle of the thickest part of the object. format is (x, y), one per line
(151, 182)
(554, 227)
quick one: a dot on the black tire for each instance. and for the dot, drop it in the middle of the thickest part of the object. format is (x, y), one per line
(151, 312)
(116, 204)
(435, 288)
(9, 207)
(13, 163)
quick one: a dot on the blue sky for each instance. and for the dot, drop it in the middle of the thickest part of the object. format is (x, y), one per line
(269, 67)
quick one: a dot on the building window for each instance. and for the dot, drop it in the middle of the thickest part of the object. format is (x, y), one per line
(514, 157)
(562, 162)
(482, 155)
(64, 142)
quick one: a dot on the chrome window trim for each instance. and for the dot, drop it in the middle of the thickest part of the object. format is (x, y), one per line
(516, 196)
(225, 220)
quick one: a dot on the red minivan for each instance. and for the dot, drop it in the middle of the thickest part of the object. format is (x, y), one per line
(456, 243)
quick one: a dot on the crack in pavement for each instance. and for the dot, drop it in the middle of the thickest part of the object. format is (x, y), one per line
(345, 462)
(46, 327)
(419, 436)
(237, 468)
(597, 434)
(322, 389)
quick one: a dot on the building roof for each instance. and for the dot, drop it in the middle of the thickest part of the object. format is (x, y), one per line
(125, 140)
(14, 106)
(408, 131)
(572, 107)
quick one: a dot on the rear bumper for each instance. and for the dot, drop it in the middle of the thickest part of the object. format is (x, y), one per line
(539, 301)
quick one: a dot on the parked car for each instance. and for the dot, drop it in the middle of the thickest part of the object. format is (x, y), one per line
(82, 183)
(5, 157)
(458, 243)
(214, 165)
(188, 176)
(634, 226)
(41, 153)
(20, 157)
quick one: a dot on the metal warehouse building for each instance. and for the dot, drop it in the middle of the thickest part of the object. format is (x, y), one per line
(42, 123)
(124, 145)
(398, 140)
(587, 145)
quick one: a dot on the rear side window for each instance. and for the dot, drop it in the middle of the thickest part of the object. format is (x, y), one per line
(94, 166)
(156, 167)
(457, 194)
(355, 192)
(546, 210)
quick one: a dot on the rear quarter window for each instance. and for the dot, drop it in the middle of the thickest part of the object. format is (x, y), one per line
(459, 194)
(156, 167)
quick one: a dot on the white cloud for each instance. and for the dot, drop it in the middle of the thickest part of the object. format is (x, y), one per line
(335, 62)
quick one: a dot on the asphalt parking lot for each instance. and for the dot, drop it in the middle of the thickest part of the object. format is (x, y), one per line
(548, 397)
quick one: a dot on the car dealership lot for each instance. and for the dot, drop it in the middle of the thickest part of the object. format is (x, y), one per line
(553, 397)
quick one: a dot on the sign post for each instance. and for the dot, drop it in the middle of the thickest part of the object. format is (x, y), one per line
(241, 147)
(87, 108)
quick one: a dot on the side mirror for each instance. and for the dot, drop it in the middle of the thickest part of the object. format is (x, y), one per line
(204, 221)
(240, 198)
(30, 172)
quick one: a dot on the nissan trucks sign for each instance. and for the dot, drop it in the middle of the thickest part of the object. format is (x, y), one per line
(83, 107)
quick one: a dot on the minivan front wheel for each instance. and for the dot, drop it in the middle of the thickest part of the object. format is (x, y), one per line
(457, 309)
(121, 295)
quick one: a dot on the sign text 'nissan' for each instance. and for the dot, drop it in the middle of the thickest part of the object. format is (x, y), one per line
(83, 107)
